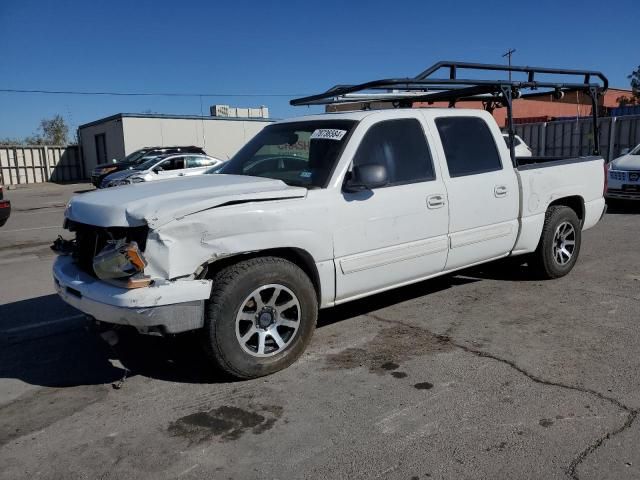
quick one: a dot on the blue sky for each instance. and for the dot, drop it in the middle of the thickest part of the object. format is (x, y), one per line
(279, 48)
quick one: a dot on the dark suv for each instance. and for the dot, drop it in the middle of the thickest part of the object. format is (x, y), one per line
(104, 169)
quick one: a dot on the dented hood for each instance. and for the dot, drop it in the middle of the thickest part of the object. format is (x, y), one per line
(159, 202)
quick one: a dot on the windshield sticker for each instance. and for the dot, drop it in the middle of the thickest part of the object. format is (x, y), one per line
(305, 174)
(328, 134)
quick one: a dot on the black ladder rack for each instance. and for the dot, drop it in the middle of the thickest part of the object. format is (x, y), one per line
(426, 87)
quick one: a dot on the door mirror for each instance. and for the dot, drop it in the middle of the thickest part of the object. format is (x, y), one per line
(158, 170)
(366, 177)
(624, 151)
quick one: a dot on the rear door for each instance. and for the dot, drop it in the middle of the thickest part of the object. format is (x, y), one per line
(482, 187)
(398, 233)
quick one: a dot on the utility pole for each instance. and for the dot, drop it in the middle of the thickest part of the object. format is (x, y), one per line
(509, 52)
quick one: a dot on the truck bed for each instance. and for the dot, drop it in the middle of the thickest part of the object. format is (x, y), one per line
(525, 163)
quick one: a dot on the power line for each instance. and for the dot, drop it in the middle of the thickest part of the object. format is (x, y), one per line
(152, 94)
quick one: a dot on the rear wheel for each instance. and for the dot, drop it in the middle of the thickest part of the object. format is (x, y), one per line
(559, 244)
(260, 317)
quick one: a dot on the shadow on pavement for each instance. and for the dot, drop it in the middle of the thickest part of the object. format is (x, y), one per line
(512, 269)
(388, 299)
(52, 354)
(617, 207)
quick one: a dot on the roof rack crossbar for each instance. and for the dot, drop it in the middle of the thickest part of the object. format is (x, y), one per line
(425, 82)
(424, 87)
(454, 66)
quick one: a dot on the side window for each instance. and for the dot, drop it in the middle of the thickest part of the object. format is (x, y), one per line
(178, 163)
(402, 147)
(173, 164)
(468, 146)
(193, 162)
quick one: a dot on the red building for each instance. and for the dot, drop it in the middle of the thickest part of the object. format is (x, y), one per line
(540, 109)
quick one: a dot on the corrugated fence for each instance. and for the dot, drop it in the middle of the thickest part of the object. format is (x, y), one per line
(574, 137)
(23, 164)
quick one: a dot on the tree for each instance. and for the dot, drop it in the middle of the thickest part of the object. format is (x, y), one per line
(635, 81)
(623, 101)
(54, 130)
(634, 99)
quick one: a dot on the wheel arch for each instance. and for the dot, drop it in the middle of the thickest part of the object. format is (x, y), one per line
(297, 256)
(574, 202)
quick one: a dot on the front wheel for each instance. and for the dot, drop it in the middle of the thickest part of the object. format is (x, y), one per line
(260, 317)
(559, 245)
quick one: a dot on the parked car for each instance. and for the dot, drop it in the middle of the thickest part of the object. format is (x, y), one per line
(161, 167)
(321, 210)
(522, 149)
(624, 176)
(5, 207)
(102, 170)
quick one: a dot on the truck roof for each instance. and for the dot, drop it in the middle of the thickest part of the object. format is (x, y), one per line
(358, 115)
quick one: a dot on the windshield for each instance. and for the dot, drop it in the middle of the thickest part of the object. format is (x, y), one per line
(135, 156)
(300, 154)
(146, 163)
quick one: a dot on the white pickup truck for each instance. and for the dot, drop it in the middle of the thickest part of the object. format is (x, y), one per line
(314, 212)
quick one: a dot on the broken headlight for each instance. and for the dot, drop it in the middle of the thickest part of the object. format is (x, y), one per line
(122, 263)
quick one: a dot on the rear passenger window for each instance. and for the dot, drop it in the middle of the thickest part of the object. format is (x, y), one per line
(195, 162)
(401, 146)
(468, 145)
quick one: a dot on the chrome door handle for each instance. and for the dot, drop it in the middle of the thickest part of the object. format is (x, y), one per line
(435, 201)
(500, 191)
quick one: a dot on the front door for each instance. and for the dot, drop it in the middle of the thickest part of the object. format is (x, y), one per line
(483, 193)
(397, 233)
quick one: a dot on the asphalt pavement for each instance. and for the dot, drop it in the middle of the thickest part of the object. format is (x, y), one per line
(483, 374)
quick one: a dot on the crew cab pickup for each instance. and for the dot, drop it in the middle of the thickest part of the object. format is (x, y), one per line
(314, 212)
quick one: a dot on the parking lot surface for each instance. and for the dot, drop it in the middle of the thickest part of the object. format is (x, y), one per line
(483, 374)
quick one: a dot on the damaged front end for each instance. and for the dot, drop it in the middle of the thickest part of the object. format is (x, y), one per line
(102, 273)
(114, 255)
(122, 263)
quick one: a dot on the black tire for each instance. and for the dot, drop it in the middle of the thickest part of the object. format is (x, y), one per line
(231, 287)
(543, 261)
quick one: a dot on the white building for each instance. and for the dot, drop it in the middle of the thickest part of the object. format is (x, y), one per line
(117, 136)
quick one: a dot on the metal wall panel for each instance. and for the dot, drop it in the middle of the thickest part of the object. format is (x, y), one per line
(574, 137)
(26, 164)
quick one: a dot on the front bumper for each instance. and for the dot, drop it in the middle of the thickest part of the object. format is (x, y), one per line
(620, 194)
(167, 306)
